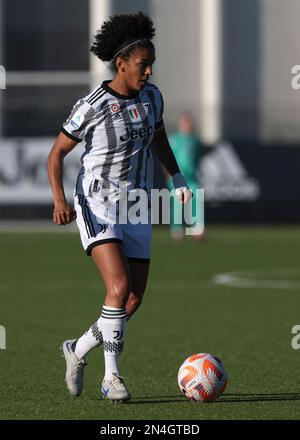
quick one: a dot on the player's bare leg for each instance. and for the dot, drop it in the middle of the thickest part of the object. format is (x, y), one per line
(112, 264)
(113, 267)
(120, 276)
(139, 272)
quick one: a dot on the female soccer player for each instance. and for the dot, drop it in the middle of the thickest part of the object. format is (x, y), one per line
(121, 123)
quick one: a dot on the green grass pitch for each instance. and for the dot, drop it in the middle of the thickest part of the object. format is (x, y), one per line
(51, 291)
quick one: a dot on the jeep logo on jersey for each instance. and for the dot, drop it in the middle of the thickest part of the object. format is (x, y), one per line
(133, 135)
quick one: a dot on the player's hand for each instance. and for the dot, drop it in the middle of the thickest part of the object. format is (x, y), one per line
(184, 194)
(182, 191)
(63, 214)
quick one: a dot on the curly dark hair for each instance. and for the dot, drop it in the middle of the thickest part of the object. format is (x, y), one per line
(119, 29)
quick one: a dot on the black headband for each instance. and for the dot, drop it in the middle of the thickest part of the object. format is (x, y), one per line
(127, 43)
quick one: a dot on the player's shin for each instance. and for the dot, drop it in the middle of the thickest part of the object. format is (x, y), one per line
(89, 340)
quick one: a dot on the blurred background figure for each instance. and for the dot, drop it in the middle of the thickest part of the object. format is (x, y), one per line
(186, 146)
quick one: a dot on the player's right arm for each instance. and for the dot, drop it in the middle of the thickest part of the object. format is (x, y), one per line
(62, 213)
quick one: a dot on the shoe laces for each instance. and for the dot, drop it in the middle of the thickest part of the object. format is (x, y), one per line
(80, 363)
(117, 381)
(79, 366)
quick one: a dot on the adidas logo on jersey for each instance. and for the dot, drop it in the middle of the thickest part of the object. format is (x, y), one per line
(133, 135)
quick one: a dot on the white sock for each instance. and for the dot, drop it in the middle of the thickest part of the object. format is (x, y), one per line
(112, 323)
(89, 340)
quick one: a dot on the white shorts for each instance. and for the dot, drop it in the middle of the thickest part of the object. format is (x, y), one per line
(94, 230)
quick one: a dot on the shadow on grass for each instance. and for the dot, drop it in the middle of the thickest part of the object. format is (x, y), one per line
(270, 397)
(226, 398)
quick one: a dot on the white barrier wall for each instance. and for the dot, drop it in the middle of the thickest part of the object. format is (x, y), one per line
(280, 102)
(23, 171)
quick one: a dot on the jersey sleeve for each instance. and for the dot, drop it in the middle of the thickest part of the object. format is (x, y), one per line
(159, 123)
(75, 127)
(173, 143)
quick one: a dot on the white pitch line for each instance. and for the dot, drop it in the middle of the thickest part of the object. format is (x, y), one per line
(260, 279)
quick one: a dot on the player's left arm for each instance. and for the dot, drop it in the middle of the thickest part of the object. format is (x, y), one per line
(162, 149)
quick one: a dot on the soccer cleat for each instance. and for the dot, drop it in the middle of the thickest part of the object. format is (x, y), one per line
(114, 389)
(75, 367)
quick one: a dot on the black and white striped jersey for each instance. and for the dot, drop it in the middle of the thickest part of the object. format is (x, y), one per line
(117, 131)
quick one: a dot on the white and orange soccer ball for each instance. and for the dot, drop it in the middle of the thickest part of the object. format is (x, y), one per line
(202, 377)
